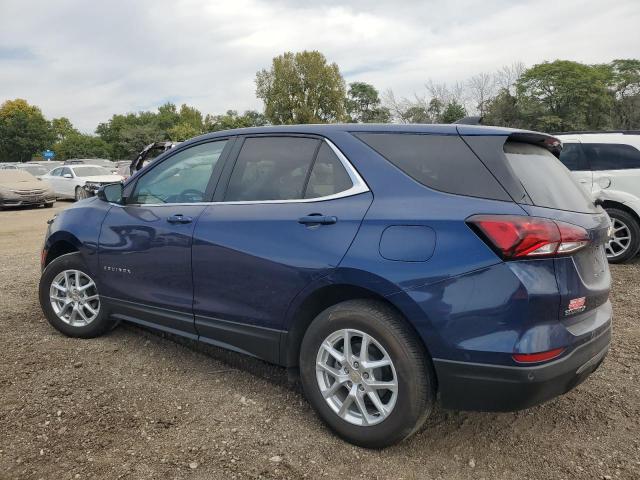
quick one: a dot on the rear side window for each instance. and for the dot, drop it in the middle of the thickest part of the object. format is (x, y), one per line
(611, 156)
(547, 182)
(271, 168)
(441, 162)
(572, 157)
(328, 175)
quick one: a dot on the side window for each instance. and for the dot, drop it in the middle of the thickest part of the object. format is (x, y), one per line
(572, 157)
(441, 162)
(271, 168)
(328, 175)
(66, 171)
(182, 178)
(612, 156)
(56, 172)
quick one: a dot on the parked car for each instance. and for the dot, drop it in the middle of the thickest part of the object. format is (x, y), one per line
(607, 164)
(35, 169)
(69, 181)
(19, 188)
(384, 263)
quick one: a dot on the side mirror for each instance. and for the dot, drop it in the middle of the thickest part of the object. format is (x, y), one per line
(67, 175)
(111, 193)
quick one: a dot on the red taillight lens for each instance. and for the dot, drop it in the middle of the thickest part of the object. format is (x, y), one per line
(537, 357)
(516, 236)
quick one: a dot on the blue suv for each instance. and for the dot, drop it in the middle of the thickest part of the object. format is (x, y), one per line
(387, 265)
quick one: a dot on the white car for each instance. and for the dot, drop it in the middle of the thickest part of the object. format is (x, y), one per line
(68, 181)
(607, 164)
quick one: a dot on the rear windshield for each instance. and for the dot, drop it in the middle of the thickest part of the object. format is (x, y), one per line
(547, 181)
(91, 171)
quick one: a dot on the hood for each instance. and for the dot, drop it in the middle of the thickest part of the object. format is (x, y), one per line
(19, 180)
(103, 178)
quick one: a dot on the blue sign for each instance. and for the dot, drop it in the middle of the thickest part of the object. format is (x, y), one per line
(48, 154)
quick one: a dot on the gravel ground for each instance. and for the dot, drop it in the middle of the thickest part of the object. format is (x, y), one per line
(135, 405)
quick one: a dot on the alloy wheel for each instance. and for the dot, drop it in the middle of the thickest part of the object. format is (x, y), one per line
(74, 298)
(620, 239)
(356, 377)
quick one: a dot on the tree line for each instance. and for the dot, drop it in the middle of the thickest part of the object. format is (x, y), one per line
(303, 87)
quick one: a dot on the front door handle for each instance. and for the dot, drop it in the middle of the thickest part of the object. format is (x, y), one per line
(179, 218)
(318, 219)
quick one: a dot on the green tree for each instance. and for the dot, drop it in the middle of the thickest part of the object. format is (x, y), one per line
(302, 88)
(231, 119)
(625, 85)
(62, 128)
(79, 145)
(363, 104)
(565, 95)
(23, 131)
(504, 111)
(452, 112)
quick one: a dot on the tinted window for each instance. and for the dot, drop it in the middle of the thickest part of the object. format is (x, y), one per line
(182, 178)
(546, 180)
(271, 168)
(442, 162)
(328, 175)
(572, 157)
(611, 156)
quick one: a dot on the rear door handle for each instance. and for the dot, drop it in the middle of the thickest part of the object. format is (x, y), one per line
(179, 219)
(318, 219)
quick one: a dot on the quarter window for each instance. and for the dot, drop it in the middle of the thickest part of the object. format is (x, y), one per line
(611, 156)
(271, 168)
(572, 157)
(328, 175)
(182, 178)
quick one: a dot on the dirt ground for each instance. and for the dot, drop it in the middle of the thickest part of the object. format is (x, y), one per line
(134, 405)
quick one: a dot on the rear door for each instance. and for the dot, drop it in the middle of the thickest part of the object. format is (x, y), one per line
(289, 208)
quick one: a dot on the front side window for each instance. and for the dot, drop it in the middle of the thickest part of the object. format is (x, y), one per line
(56, 172)
(66, 171)
(182, 178)
(271, 168)
(611, 156)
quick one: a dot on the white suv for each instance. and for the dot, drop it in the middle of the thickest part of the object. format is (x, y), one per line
(608, 165)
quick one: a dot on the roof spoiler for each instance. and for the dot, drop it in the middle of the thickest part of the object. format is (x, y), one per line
(549, 142)
(578, 132)
(469, 121)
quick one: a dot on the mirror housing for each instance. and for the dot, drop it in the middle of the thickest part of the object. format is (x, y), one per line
(67, 175)
(111, 193)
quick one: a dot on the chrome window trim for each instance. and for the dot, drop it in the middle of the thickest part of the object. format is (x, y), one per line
(358, 186)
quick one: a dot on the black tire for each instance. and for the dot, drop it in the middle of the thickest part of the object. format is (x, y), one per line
(49, 204)
(414, 370)
(634, 229)
(71, 261)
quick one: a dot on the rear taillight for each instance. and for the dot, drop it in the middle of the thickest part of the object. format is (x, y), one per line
(514, 236)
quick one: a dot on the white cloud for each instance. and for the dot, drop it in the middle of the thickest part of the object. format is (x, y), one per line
(88, 60)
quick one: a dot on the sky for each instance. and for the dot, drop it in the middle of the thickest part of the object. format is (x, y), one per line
(87, 60)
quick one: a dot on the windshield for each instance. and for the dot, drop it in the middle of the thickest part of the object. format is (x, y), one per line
(547, 181)
(36, 170)
(90, 171)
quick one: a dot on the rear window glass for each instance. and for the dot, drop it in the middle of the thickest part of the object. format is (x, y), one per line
(611, 156)
(442, 162)
(547, 181)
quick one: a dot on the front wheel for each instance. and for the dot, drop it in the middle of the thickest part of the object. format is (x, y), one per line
(625, 239)
(366, 373)
(81, 193)
(70, 299)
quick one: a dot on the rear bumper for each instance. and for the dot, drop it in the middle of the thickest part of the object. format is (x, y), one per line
(484, 387)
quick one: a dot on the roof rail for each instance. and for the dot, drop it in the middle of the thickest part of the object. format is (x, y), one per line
(469, 121)
(577, 132)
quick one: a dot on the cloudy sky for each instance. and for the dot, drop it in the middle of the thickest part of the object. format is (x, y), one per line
(88, 59)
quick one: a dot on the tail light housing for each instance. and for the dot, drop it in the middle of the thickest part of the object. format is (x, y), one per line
(515, 236)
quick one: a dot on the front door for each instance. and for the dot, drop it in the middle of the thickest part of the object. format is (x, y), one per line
(145, 245)
(289, 213)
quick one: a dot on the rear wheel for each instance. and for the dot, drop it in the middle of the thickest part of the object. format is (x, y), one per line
(366, 374)
(625, 239)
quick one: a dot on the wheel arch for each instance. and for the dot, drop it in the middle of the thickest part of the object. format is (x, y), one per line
(621, 206)
(58, 245)
(319, 300)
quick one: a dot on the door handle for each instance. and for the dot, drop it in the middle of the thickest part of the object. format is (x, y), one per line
(179, 218)
(318, 219)
(583, 181)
